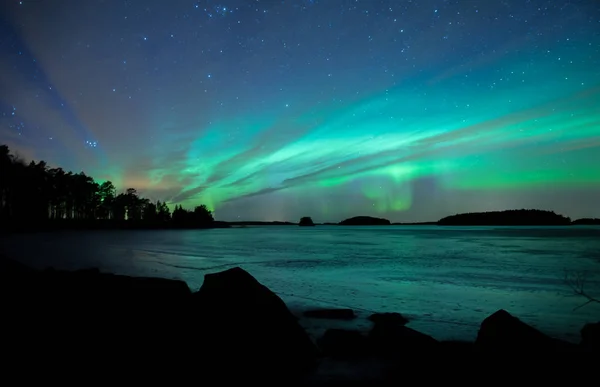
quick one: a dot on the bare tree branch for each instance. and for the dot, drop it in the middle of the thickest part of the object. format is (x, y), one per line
(576, 281)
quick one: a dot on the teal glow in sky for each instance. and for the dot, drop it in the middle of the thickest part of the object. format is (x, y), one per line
(273, 110)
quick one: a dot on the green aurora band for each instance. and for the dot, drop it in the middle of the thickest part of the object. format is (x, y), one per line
(492, 137)
(513, 126)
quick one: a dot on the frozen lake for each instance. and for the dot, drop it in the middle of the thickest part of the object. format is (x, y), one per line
(447, 279)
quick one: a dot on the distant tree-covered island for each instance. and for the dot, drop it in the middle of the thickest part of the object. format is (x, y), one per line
(586, 222)
(306, 221)
(506, 218)
(365, 221)
(34, 196)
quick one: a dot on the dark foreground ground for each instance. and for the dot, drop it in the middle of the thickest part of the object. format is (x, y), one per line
(88, 327)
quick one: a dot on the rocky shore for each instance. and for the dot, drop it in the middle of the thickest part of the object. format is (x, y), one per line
(87, 324)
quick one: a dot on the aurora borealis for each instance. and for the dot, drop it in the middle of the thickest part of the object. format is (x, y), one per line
(273, 110)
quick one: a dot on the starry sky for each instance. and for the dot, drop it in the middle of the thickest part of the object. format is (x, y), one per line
(273, 110)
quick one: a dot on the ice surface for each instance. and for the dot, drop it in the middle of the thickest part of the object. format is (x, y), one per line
(446, 279)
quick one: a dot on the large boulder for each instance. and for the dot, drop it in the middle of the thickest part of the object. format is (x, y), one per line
(248, 328)
(590, 336)
(65, 297)
(501, 332)
(115, 301)
(91, 319)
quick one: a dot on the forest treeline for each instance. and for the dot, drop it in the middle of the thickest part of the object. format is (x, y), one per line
(36, 196)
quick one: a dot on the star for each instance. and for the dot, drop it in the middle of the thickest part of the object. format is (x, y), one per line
(281, 109)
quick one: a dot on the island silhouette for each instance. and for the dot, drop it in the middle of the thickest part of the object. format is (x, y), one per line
(586, 222)
(34, 196)
(365, 221)
(306, 221)
(506, 218)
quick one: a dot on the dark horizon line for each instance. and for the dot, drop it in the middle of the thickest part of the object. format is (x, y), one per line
(287, 222)
(338, 223)
(431, 222)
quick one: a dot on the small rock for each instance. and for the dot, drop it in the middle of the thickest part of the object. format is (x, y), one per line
(388, 318)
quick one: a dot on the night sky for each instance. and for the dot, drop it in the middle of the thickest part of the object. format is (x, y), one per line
(272, 110)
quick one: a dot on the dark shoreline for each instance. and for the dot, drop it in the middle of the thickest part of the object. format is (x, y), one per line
(75, 227)
(191, 221)
(238, 324)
